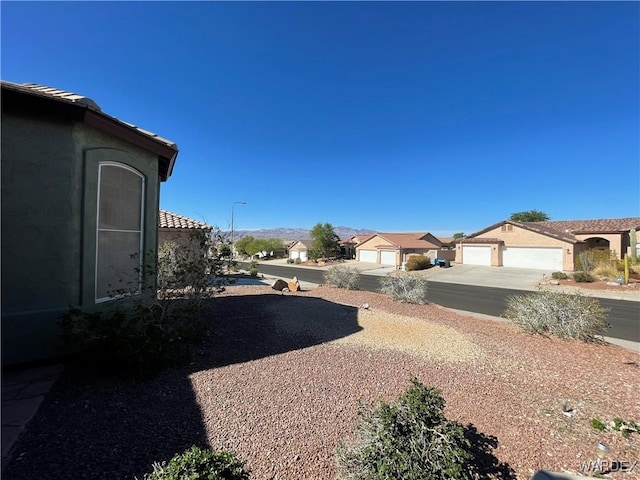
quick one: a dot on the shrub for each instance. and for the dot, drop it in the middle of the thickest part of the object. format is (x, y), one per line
(598, 425)
(200, 464)
(253, 272)
(559, 275)
(289, 260)
(405, 287)
(418, 262)
(583, 277)
(409, 438)
(297, 261)
(558, 314)
(342, 276)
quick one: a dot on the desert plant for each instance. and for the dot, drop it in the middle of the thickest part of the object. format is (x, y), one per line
(558, 314)
(607, 270)
(200, 464)
(409, 438)
(417, 262)
(146, 330)
(297, 261)
(405, 287)
(597, 424)
(583, 277)
(289, 260)
(559, 276)
(342, 276)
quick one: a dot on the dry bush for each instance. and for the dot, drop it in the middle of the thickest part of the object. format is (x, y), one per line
(342, 276)
(558, 314)
(405, 287)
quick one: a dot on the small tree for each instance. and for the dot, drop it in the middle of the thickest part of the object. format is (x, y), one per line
(529, 216)
(325, 241)
(458, 235)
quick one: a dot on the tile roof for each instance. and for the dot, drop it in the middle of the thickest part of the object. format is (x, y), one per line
(566, 230)
(81, 101)
(605, 225)
(406, 240)
(173, 220)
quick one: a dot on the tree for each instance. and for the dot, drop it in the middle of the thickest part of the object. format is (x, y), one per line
(529, 216)
(458, 235)
(325, 241)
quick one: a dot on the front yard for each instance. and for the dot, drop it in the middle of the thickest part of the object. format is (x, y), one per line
(279, 378)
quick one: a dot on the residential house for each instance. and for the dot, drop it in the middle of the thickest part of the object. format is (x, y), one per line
(550, 245)
(178, 228)
(395, 248)
(300, 249)
(80, 195)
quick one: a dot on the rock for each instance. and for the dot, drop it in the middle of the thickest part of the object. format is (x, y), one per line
(294, 285)
(554, 282)
(279, 285)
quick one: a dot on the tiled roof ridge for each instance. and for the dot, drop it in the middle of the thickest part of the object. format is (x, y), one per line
(168, 219)
(64, 96)
(592, 226)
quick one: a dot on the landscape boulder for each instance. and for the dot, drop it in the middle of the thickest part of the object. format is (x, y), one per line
(280, 285)
(294, 285)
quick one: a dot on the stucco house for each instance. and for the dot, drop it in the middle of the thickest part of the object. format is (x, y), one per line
(394, 248)
(178, 228)
(300, 249)
(80, 197)
(550, 245)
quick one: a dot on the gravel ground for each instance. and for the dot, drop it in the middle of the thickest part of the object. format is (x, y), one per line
(279, 379)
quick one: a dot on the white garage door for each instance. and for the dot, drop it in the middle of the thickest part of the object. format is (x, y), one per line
(367, 256)
(294, 254)
(525, 257)
(388, 258)
(475, 255)
(302, 255)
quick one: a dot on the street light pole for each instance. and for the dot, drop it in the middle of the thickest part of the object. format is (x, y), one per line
(234, 204)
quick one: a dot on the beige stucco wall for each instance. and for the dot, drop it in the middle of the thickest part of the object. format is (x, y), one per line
(615, 241)
(520, 237)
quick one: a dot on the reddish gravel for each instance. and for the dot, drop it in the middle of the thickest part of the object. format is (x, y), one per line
(279, 379)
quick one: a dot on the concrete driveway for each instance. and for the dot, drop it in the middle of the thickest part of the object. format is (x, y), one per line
(499, 277)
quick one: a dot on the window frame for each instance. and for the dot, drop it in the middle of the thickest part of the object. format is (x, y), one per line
(141, 230)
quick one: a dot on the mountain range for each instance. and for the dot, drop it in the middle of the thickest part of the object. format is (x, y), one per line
(297, 233)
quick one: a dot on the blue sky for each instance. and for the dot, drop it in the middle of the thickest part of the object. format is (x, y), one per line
(419, 116)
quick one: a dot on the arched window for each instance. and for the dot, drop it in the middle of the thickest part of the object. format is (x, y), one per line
(119, 230)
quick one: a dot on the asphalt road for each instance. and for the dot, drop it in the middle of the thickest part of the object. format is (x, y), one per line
(623, 316)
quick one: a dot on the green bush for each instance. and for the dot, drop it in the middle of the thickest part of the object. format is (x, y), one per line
(404, 287)
(297, 261)
(583, 277)
(253, 272)
(342, 276)
(417, 262)
(409, 438)
(200, 464)
(558, 314)
(290, 260)
(559, 275)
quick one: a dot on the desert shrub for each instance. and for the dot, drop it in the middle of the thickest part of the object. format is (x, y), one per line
(606, 270)
(290, 260)
(583, 277)
(417, 262)
(154, 321)
(558, 314)
(253, 272)
(342, 276)
(405, 287)
(409, 438)
(297, 261)
(559, 275)
(200, 464)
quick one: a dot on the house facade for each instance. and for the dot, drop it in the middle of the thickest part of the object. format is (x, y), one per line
(395, 248)
(300, 249)
(80, 196)
(550, 245)
(178, 228)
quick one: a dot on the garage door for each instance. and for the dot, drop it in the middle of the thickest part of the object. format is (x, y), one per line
(294, 254)
(476, 255)
(388, 258)
(540, 258)
(367, 256)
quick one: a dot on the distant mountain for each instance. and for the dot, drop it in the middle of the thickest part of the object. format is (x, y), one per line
(297, 233)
